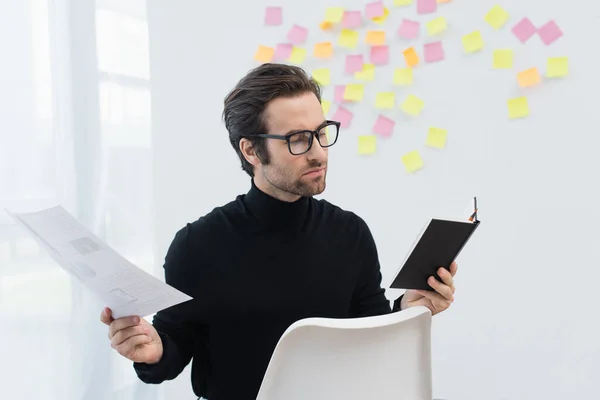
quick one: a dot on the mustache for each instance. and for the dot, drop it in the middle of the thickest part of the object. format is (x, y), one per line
(316, 164)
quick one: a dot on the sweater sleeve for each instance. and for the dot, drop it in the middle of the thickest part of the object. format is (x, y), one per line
(369, 297)
(174, 325)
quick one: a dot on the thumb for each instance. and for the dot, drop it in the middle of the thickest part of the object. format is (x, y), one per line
(106, 316)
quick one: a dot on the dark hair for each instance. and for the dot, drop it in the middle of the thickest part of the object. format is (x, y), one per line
(245, 105)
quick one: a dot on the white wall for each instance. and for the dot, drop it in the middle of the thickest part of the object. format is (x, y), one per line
(524, 324)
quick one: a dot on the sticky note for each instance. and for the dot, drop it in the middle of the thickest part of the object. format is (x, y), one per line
(323, 50)
(385, 100)
(354, 92)
(367, 144)
(375, 38)
(338, 93)
(529, 77)
(524, 29)
(426, 6)
(326, 26)
(410, 57)
(557, 67)
(496, 17)
(472, 42)
(549, 32)
(433, 52)
(334, 14)
(273, 16)
(384, 126)
(380, 20)
(283, 51)
(264, 54)
(518, 107)
(403, 76)
(297, 34)
(503, 59)
(374, 9)
(409, 29)
(367, 74)
(436, 26)
(380, 55)
(348, 38)
(436, 137)
(322, 76)
(354, 63)
(326, 105)
(343, 116)
(351, 19)
(398, 3)
(298, 55)
(412, 161)
(412, 105)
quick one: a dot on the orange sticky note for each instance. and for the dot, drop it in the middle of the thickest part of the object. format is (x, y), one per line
(411, 57)
(529, 77)
(375, 38)
(325, 25)
(264, 54)
(323, 50)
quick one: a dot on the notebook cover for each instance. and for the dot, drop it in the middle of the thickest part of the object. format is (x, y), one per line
(439, 245)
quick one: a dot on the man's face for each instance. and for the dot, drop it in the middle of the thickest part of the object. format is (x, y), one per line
(288, 174)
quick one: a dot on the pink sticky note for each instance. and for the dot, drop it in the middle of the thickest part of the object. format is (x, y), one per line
(338, 94)
(343, 116)
(351, 19)
(354, 63)
(273, 16)
(409, 29)
(524, 29)
(549, 32)
(384, 126)
(375, 9)
(433, 51)
(380, 55)
(297, 34)
(426, 6)
(283, 51)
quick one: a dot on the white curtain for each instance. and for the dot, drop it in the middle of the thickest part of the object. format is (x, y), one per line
(74, 131)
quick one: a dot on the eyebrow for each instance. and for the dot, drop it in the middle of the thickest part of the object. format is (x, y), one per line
(303, 130)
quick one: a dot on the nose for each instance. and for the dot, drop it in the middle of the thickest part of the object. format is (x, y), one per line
(317, 152)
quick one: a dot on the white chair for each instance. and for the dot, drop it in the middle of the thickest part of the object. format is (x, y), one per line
(373, 358)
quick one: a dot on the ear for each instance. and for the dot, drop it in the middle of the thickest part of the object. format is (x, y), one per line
(249, 153)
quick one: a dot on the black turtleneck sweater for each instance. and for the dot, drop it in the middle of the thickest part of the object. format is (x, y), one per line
(254, 267)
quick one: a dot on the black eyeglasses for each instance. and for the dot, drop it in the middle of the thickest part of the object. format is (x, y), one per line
(300, 142)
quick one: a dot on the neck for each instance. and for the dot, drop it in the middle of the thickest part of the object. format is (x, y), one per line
(272, 191)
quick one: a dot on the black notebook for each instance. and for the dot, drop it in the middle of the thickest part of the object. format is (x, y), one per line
(439, 244)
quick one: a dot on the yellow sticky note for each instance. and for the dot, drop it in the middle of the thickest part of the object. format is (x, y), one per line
(557, 67)
(381, 19)
(437, 138)
(375, 38)
(411, 57)
(322, 75)
(326, 105)
(403, 76)
(472, 42)
(412, 161)
(529, 77)
(354, 92)
(334, 14)
(518, 107)
(496, 17)
(367, 74)
(367, 144)
(503, 59)
(264, 54)
(323, 50)
(348, 38)
(412, 105)
(297, 55)
(443, 1)
(403, 2)
(385, 100)
(436, 26)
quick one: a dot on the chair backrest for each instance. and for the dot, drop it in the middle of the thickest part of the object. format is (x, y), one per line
(373, 358)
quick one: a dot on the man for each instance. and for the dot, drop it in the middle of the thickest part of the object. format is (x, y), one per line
(267, 259)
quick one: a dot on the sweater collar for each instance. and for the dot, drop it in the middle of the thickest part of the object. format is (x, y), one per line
(275, 212)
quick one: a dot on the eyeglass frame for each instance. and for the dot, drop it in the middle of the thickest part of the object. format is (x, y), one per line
(314, 133)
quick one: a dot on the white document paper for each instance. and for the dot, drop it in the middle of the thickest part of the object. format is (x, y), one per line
(126, 289)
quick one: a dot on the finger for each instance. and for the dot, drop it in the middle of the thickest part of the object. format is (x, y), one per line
(106, 316)
(443, 289)
(454, 268)
(121, 336)
(122, 323)
(447, 278)
(128, 347)
(437, 300)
